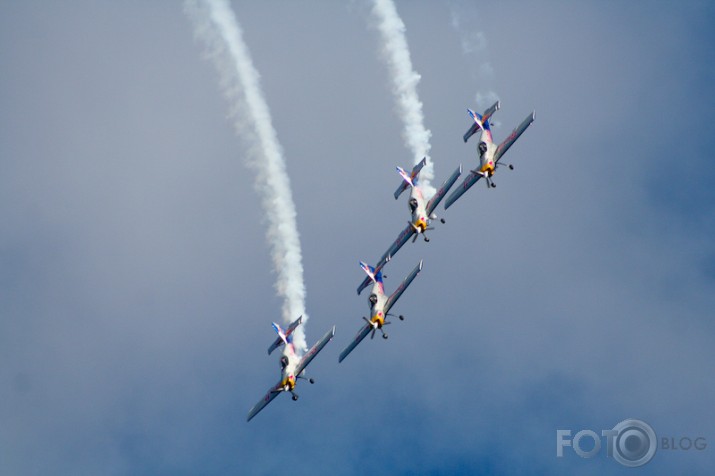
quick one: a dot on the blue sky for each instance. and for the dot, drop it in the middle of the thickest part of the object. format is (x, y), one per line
(136, 289)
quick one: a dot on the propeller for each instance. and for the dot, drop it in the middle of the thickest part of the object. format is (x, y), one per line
(371, 324)
(415, 230)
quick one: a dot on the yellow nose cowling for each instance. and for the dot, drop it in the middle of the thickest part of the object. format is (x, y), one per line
(379, 318)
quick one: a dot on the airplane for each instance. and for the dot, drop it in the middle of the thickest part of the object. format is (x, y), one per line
(380, 305)
(422, 212)
(292, 367)
(489, 153)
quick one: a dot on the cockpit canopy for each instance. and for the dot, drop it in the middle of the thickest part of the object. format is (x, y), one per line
(482, 148)
(413, 204)
(373, 299)
(284, 362)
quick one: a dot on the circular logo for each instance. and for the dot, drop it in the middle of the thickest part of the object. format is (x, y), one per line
(635, 443)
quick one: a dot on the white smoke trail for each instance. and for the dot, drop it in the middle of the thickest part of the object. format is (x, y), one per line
(216, 25)
(396, 54)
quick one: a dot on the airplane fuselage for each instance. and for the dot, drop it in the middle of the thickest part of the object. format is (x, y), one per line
(486, 157)
(289, 362)
(377, 301)
(418, 207)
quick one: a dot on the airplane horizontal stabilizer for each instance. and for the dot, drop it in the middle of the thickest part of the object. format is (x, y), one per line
(279, 340)
(413, 176)
(484, 118)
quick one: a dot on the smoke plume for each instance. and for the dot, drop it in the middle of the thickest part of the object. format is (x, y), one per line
(216, 25)
(396, 54)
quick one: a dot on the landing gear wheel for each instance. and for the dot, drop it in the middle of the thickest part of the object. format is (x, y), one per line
(442, 220)
(384, 336)
(511, 167)
(312, 380)
(295, 398)
(402, 318)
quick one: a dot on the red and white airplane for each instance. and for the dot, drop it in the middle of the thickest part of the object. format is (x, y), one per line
(292, 366)
(380, 305)
(489, 153)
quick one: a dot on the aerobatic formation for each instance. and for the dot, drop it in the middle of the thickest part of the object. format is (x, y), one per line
(422, 214)
(217, 25)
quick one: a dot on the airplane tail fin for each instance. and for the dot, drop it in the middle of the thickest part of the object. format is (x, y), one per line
(374, 275)
(481, 121)
(477, 126)
(284, 336)
(409, 180)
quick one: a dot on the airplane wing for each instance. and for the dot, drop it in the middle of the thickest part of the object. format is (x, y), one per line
(288, 332)
(509, 141)
(307, 358)
(470, 180)
(405, 235)
(398, 292)
(362, 333)
(415, 171)
(267, 398)
(434, 201)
